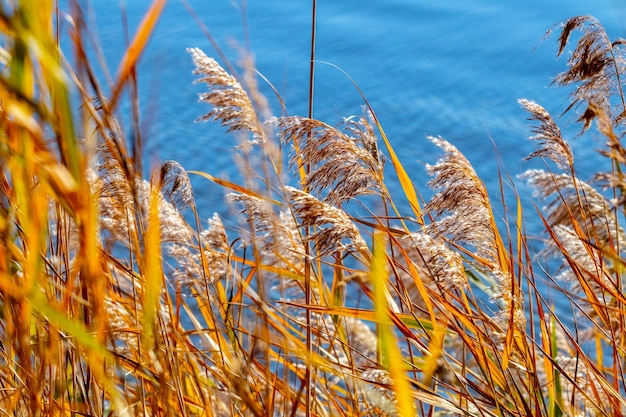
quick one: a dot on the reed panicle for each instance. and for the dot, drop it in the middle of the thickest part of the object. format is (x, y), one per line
(176, 186)
(437, 261)
(232, 106)
(276, 235)
(595, 68)
(575, 203)
(124, 209)
(547, 133)
(335, 230)
(582, 260)
(115, 299)
(462, 213)
(461, 206)
(341, 166)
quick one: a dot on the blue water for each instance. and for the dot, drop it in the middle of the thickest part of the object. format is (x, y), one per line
(453, 68)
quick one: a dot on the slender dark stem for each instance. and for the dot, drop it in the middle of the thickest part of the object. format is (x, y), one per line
(307, 273)
(312, 64)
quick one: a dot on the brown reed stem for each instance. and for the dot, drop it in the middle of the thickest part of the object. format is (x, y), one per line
(307, 264)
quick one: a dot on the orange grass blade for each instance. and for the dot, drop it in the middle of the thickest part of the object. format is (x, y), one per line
(435, 352)
(473, 332)
(233, 186)
(152, 271)
(136, 48)
(419, 284)
(405, 180)
(546, 341)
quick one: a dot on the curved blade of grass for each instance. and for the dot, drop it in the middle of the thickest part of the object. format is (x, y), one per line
(403, 177)
(435, 351)
(233, 186)
(421, 287)
(136, 48)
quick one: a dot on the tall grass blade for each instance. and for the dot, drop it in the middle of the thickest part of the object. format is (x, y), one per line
(390, 354)
(136, 48)
(152, 271)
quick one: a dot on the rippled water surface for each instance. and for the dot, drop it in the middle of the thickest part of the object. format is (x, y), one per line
(453, 68)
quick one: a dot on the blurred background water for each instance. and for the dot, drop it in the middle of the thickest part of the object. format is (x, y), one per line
(453, 68)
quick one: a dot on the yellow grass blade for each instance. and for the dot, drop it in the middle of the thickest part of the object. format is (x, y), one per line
(152, 271)
(403, 177)
(435, 351)
(388, 344)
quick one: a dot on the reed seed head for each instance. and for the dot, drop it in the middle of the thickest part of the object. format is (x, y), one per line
(339, 169)
(334, 229)
(547, 133)
(231, 105)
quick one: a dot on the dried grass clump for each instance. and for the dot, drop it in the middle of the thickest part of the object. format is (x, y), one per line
(116, 299)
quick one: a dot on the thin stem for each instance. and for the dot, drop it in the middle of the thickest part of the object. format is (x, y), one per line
(307, 273)
(312, 64)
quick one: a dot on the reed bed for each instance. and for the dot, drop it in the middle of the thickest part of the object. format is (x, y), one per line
(117, 297)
